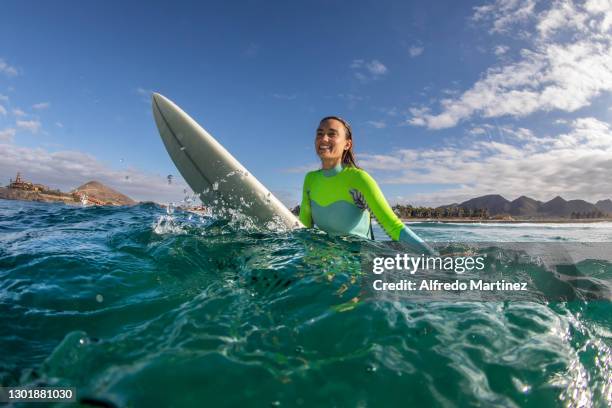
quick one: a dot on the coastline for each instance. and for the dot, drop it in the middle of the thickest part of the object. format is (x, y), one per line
(11, 194)
(37, 196)
(92, 193)
(514, 221)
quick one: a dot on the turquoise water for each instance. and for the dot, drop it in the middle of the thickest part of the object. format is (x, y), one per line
(135, 307)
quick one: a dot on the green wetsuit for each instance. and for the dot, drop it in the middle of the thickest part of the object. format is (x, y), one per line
(337, 201)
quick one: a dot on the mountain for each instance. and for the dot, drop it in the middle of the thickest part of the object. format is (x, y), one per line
(558, 207)
(453, 205)
(554, 207)
(604, 206)
(104, 195)
(495, 203)
(528, 207)
(524, 206)
(581, 206)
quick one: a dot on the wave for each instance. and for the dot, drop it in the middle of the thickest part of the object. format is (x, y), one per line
(126, 304)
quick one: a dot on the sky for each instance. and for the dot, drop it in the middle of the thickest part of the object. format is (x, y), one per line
(447, 100)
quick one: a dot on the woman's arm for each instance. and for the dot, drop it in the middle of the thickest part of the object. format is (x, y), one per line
(305, 211)
(387, 219)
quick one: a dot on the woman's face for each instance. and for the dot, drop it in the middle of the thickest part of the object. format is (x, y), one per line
(331, 140)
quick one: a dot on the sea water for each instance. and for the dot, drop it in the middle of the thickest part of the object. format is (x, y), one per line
(134, 306)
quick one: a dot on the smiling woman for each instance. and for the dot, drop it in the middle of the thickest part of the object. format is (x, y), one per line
(340, 197)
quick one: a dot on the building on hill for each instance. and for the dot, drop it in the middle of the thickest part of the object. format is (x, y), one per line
(21, 184)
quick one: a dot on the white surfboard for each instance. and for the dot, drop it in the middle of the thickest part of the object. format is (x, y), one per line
(213, 173)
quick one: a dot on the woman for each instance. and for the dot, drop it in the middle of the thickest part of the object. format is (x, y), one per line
(338, 197)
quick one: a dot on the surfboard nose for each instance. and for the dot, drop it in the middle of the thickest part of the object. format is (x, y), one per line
(162, 104)
(156, 98)
(163, 110)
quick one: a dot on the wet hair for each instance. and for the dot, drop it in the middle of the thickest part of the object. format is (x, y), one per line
(348, 157)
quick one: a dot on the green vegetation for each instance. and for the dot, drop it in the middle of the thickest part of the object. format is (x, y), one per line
(408, 211)
(589, 214)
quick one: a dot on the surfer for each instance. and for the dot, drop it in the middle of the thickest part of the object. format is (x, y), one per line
(339, 197)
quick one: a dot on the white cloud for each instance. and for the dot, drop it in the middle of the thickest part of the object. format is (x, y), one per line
(519, 133)
(59, 124)
(4, 98)
(450, 92)
(368, 70)
(604, 7)
(378, 124)
(32, 126)
(42, 105)
(587, 132)
(356, 64)
(7, 135)
(501, 50)
(563, 16)
(415, 51)
(376, 67)
(504, 133)
(418, 116)
(477, 131)
(568, 64)
(572, 164)
(18, 112)
(505, 13)
(2, 110)
(7, 69)
(69, 169)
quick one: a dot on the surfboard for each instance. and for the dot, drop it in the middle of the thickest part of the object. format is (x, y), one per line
(213, 173)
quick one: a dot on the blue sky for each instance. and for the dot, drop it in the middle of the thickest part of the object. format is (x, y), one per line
(448, 100)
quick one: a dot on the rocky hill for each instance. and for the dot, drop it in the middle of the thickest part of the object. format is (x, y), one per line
(40, 196)
(604, 206)
(495, 203)
(524, 206)
(562, 208)
(98, 193)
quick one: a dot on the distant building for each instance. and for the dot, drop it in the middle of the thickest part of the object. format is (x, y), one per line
(21, 184)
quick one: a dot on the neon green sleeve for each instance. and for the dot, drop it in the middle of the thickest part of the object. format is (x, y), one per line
(378, 204)
(305, 211)
(387, 219)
